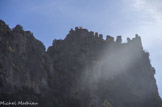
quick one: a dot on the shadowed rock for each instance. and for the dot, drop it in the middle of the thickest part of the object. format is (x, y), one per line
(83, 70)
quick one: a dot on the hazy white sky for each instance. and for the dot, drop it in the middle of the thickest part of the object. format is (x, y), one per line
(150, 29)
(51, 19)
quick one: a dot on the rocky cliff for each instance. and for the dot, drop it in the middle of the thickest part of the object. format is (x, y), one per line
(83, 70)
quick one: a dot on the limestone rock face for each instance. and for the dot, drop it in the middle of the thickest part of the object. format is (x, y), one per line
(83, 70)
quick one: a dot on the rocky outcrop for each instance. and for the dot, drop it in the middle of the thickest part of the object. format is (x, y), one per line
(24, 69)
(83, 70)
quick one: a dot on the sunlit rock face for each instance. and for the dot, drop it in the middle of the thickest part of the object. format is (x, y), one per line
(83, 70)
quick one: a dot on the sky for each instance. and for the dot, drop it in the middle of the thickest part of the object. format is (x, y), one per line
(52, 19)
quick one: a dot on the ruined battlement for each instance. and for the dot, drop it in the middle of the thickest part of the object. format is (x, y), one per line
(101, 36)
(119, 40)
(109, 39)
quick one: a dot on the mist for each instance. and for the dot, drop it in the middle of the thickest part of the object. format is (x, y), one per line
(118, 70)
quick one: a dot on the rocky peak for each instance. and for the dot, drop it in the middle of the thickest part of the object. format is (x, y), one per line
(18, 29)
(4, 28)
